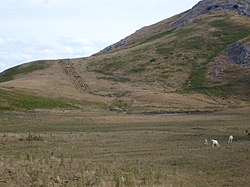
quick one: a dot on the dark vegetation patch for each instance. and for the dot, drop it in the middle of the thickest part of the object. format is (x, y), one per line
(138, 69)
(116, 78)
(165, 51)
(157, 36)
(108, 67)
(119, 105)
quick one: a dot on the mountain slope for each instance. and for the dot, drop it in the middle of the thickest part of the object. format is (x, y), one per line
(203, 7)
(197, 60)
(179, 58)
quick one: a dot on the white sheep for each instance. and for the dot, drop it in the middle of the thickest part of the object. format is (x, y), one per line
(215, 143)
(230, 139)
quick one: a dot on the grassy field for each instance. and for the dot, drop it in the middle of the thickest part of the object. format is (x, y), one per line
(70, 148)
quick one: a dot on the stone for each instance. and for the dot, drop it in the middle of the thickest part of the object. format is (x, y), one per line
(239, 54)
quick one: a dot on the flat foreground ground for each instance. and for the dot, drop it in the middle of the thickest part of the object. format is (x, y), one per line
(91, 149)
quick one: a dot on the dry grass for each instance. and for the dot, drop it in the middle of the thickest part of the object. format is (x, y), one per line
(90, 146)
(152, 73)
(89, 149)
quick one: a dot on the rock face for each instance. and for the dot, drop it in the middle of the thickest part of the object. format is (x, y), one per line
(239, 54)
(241, 7)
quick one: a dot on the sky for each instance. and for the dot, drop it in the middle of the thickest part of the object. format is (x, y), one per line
(54, 29)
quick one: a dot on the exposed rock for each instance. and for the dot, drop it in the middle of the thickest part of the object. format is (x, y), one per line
(239, 54)
(114, 46)
(241, 7)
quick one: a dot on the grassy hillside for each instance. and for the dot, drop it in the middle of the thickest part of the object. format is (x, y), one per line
(11, 73)
(179, 64)
(179, 58)
(10, 100)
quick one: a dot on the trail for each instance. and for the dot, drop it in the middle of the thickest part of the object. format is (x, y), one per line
(71, 71)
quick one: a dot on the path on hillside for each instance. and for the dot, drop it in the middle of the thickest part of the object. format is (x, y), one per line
(70, 70)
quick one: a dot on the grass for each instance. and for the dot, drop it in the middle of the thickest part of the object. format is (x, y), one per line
(227, 32)
(165, 51)
(79, 149)
(119, 105)
(156, 36)
(116, 79)
(108, 67)
(186, 52)
(138, 69)
(22, 70)
(11, 100)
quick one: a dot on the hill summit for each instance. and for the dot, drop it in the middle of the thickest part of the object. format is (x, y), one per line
(196, 60)
(240, 7)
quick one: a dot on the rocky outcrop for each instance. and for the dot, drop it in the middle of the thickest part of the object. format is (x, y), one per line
(241, 7)
(114, 46)
(239, 54)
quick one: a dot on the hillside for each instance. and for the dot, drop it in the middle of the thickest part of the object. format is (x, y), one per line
(198, 60)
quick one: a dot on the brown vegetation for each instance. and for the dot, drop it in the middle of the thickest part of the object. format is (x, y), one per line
(88, 149)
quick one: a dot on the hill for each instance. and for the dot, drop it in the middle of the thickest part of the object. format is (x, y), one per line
(195, 61)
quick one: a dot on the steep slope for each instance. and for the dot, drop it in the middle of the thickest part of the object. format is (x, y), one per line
(179, 55)
(197, 60)
(240, 7)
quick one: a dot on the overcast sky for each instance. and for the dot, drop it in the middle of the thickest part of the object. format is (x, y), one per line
(51, 29)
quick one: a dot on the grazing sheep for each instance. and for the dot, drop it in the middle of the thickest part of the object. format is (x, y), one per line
(205, 143)
(215, 143)
(230, 139)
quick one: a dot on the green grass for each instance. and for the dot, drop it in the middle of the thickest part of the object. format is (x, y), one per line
(108, 67)
(203, 47)
(156, 36)
(165, 51)
(227, 32)
(10, 100)
(138, 69)
(22, 70)
(116, 79)
(119, 105)
(186, 50)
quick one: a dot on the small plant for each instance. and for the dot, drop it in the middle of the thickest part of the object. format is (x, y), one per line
(61, 160)
(34, 137)
(97, 177)
(82, 166)
(152, 60)
(119, 105)
(117, 179)
(71, 161)
(158, 176)
(29, 157)
(86, 181)
(129, 178)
